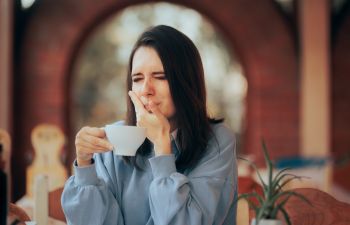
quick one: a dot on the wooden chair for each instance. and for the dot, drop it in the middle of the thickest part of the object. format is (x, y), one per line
(55, 207)
(325, 209)
(45, 176)
(45, 206)
(48, 141)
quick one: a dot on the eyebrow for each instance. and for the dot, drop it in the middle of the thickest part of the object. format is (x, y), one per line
(153, 73)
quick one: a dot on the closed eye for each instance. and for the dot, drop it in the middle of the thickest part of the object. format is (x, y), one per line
(136, 77)
(159, 75)
(139, 76)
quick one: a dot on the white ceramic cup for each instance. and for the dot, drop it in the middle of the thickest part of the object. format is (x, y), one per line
(125, 139)
(30, 222)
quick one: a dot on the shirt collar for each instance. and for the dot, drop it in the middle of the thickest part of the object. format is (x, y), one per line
(174, 146)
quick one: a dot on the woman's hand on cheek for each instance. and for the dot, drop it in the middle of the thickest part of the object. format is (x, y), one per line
(158, 127)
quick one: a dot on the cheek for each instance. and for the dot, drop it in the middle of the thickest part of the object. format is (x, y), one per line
(170, 102)
(173, 107)
(167, 95)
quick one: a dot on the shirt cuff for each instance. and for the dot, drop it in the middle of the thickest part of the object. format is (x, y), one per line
(163, 165)
(85, 175)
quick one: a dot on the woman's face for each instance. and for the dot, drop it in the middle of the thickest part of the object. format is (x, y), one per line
(149, 81)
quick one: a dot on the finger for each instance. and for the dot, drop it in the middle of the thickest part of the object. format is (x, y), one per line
(139, 107)
(83, 151)
(94, 131)
(86, 149)
(144, 100)
(87, 145)
(96, 141)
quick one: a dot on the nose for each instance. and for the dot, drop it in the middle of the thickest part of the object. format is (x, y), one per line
(147, 88)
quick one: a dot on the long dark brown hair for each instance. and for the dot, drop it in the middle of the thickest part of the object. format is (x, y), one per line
(184, 71)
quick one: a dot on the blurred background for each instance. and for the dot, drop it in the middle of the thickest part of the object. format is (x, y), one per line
(274, 69)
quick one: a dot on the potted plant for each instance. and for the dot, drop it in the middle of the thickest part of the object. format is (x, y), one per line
(274, 198)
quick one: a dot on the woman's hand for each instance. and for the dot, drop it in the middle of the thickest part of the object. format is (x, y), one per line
(158, 127)
(90, 140)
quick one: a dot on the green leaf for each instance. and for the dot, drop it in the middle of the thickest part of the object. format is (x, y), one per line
(281, 172)
(280, 206)
(276, 184)
(264, 211)
(268, 163)
(257, 172)
(254, 207)
(280, 178)
(286, 216)
(281, 194)
(302, 197)
(289, 180)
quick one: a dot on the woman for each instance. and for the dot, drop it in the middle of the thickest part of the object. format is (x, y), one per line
(185, 171)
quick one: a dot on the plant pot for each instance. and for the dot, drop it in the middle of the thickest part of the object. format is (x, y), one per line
(267, 222)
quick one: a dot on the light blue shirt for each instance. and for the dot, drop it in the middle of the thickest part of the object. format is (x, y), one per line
(113, 192)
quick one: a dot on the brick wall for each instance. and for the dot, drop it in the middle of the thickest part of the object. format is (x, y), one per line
(341, 98)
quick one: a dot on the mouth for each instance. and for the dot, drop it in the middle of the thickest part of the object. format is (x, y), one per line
(148, 108)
